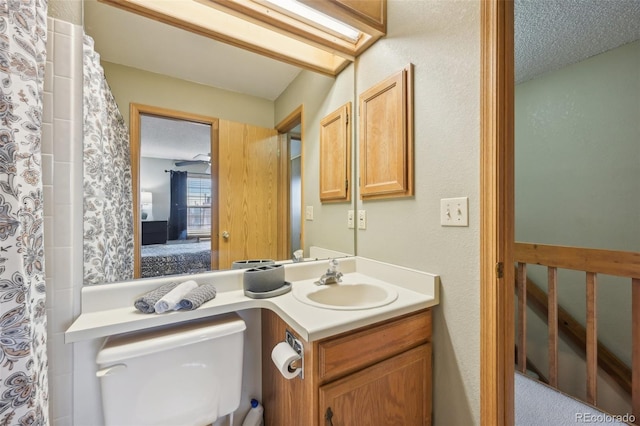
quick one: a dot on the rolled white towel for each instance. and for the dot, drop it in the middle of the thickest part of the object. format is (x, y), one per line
(171, 300)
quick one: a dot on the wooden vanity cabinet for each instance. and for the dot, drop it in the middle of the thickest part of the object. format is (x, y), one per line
(379, 374)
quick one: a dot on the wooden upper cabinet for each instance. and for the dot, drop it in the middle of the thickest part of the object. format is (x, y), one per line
(386, 138)
(373, 12)
(335, 155)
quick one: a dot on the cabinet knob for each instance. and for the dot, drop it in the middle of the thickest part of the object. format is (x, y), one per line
(225, 235)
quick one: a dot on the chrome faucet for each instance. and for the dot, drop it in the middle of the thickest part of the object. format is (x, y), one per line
(297, 256)
(332, 276)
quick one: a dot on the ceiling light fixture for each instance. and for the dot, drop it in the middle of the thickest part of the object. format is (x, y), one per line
(301, 10)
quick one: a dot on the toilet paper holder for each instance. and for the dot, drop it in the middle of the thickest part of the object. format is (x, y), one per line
(297, 346)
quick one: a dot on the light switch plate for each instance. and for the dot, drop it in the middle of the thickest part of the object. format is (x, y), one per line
(309, 213)
(362, 219)
(350, 219)
(454, 211)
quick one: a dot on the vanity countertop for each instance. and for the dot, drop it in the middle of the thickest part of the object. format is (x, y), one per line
(108, 309)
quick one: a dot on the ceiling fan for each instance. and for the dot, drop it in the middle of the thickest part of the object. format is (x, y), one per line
(198, 159)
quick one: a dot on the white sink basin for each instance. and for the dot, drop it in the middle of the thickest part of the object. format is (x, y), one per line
(344, 296)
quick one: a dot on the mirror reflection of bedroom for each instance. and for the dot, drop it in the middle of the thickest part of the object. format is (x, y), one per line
(187, 181)
(175, 196)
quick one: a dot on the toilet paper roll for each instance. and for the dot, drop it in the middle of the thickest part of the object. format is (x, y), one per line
(282, 356)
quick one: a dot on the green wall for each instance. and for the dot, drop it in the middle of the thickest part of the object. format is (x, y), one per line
(577, 183)
(133, 85)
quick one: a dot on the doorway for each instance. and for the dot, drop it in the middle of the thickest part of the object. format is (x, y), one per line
(295, 188)
(291, 148)
(174, 174)
(496, 213)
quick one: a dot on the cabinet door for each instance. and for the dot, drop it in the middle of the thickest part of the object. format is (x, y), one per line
(393, 392)
(335, 155)
(386, 138)
(248, 192)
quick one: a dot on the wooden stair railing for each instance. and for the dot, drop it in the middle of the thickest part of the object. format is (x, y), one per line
(575, 332)
(531, 368)
(592, 262)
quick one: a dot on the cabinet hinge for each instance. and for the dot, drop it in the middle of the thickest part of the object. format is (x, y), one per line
(500, 269)
(347, 123)
(346, 185)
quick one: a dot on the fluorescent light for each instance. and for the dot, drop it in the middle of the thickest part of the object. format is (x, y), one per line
(318, 17)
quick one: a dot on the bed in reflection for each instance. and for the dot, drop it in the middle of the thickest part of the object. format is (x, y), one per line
(173, 258)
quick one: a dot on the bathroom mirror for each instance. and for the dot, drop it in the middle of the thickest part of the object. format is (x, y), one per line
(135, 60)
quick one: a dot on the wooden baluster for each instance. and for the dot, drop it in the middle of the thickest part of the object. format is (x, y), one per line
(592, 340)
(635, 339)
(522, 317)
(552, 321)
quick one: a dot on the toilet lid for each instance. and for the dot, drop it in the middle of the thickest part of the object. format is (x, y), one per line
(130, 345)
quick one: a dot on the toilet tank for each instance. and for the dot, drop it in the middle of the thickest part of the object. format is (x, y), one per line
(185, 374)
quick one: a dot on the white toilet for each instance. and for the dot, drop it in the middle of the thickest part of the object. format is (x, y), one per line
(187, 374)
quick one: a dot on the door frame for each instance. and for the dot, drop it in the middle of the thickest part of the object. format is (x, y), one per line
(497, 213)
(135, 111)
(296, 117)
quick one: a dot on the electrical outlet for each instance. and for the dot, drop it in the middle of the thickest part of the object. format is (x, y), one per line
(350, 219)
(454, 211)
(362, 219)
(309, 213)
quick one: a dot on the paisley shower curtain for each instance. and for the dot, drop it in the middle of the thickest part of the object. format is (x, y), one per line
(23, 339)
(108, 200)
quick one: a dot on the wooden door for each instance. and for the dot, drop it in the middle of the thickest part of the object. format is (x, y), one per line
(248, 193)
(393, 392)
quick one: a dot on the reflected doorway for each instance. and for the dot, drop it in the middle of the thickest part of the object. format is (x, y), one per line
(175, 192)
(295, 188)
(291, 147)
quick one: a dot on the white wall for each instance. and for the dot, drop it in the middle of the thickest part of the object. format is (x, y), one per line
(442, 40)
(578, 184)
(153, 179)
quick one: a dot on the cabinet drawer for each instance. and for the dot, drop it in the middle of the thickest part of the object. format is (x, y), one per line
(347, 353)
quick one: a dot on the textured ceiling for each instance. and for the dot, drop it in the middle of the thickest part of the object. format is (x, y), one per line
(550, 34)
(173, 139)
